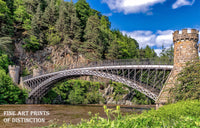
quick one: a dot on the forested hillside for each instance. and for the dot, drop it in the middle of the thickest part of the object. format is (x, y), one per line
(39, 23)
(50, 33)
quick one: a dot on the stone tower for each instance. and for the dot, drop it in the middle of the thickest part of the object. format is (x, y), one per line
(185, 49)
(14, 73)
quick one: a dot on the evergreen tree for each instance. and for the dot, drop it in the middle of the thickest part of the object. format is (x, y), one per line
(105, 34)
(6, 21)
(93, 46)
(73, 29)
(20, 13)
(51, 14)
(36, 22)
(5, 43)
(123, 46)
(83, 11)
(61, 24)
(149, 53)
(113, 50)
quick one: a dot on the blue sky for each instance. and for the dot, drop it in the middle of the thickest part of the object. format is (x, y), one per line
(150, 22)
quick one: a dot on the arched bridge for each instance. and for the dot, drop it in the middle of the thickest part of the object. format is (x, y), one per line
(145, 75)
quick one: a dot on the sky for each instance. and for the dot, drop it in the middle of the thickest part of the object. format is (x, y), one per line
(150, 22)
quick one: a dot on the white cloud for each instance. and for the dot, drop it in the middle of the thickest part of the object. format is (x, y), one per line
(180, 3)
(144, 38)
(131, 6)
(107, 14)
(155, 40)
(158, 51)
(164, 38)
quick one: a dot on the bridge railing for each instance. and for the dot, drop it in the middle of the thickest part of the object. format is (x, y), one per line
(154, 61)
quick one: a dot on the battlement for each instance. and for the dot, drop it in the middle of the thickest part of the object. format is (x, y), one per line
(13, 67)
(185, 34)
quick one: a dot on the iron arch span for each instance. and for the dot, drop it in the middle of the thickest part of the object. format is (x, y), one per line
(130, 75)
(45, 86)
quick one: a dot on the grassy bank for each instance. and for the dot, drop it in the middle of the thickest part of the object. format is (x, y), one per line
(181, 114)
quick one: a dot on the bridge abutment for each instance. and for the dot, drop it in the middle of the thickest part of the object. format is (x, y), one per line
(33, 101)
(185, 50)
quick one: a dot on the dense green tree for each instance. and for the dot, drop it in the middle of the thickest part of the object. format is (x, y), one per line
(113, 50)
(20, 14)
(73, 23)
(4, 62)
(93, 45)
(61, 24)
(83, 11)
(149, 53)
(10, 5)
(52, 36)
(50, 14)
(122, 47)
(6, 22)
(9, 93)
(36, 22)
(76, 95)
(106, 34)
(5, 43)
(31, 43)
(4, 9)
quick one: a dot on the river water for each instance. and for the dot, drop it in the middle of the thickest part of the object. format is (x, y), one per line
(27, 116)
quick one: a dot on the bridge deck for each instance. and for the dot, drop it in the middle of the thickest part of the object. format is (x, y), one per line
(167, 67)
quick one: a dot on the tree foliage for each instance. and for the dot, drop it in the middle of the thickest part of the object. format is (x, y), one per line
(188, 83)
(56, 22)
(167, 53)
(76, 92)
(9, 93)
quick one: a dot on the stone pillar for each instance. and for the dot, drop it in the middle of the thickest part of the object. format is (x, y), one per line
(21, 82)
(185, 49)
(14, 73)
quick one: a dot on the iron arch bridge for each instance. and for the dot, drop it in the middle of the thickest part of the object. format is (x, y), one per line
(148, 77)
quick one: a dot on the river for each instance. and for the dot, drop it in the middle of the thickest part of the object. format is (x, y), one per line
(27, 116)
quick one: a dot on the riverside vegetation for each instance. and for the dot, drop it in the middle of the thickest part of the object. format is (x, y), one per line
(87, 92)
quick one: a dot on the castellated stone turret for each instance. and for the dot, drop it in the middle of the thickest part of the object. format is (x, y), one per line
(185, 50)
(185, 47)
(14, 73)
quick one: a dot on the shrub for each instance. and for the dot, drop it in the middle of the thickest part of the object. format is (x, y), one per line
(188, 83)
(180, 115)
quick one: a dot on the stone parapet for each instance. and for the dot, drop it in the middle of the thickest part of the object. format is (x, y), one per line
(186, 34)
